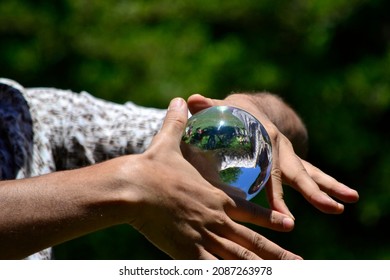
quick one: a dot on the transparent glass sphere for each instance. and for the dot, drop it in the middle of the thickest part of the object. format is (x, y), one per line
(230, 148)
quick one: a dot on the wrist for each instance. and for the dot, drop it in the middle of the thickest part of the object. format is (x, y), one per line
(120, 192)
(104, 193)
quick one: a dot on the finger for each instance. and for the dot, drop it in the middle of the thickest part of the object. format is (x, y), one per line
(257, 243)
(229, 250)
(275, 194)
(274, 188)
(204, 255)
(197, 102)
(295, 175)
(174, 122)
(248, 212)
(330, 185)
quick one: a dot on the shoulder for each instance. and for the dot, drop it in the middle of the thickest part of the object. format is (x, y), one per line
(12, 95)
(16, 132)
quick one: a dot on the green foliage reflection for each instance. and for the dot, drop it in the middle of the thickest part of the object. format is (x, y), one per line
(329, 59)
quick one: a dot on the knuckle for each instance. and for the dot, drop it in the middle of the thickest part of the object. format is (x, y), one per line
(245, 254)
(255, 211)
(273, 132)
(221, 219)
(276, 174)
(284, 255)
(258, 242)
(275, 218)
(222, 196)
(176, 121)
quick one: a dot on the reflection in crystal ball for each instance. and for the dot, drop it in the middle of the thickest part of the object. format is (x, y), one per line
(230, 148)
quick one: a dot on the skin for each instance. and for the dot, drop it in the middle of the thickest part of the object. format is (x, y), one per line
(289, 140)
(175, 207)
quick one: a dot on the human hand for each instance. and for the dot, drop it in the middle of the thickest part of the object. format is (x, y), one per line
(188, 218)
(288, 168)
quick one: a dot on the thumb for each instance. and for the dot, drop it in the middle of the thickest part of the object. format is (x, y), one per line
(197, 102)
(175, 121)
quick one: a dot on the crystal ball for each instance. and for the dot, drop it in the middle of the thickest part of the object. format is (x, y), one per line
(230, 148)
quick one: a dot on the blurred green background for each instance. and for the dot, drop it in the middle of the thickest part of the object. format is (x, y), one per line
(329, 59)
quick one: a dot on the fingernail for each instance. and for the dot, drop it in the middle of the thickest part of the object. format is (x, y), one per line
(290, 215)
(176, 104)
(288, 223)
(338, 206)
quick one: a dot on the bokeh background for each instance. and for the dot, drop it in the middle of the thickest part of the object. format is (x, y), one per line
(329, 59)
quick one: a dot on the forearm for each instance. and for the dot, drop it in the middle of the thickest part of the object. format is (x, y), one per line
(280, 114)
(43, 211)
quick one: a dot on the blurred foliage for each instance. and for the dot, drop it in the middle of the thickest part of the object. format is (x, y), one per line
(329, 59)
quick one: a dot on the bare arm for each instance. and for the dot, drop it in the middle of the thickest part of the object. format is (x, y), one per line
(43, 211)
(174, 208)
